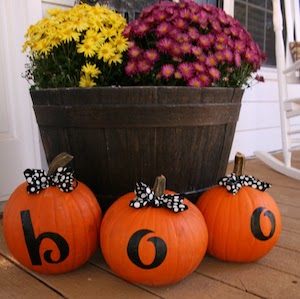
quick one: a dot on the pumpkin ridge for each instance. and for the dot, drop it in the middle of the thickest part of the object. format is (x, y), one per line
(111, 222)
(192, 236)
(226, 204)
(242, 203)
(228, 220)
(76, 206)
(39, 208)
(90, 245)
(253, 241)
(96, 215)
(171, 226)
(215, 218)
(70, 237)
(56, 204)
(241, 207)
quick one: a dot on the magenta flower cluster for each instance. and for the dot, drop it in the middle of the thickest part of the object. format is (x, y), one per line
(190, 44)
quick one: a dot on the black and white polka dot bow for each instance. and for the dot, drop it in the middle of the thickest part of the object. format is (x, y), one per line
(37, 180)
(146, 197)
(234, 183)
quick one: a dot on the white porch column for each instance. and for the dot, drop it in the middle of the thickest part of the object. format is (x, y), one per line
(19, 141)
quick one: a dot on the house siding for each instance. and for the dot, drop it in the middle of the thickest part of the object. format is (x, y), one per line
(258, 127)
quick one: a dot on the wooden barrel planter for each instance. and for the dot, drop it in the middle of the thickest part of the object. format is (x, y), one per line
(121, 135)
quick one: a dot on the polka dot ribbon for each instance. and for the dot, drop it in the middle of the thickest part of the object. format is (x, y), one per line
(38, 180)
(234, 183)
(146, 197)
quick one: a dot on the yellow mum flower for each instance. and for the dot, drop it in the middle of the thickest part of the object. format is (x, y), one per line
(88, 47)
(91, 33)
(116, 58)
(43, 47)
(106, 51)
(108, 32)
(86, 81)
(54, 42)
(80, 25)
(121, 43)
(96, 12)
(68, 34)
(91, 70)
(53, 12)
(100, 38)
(25, 46)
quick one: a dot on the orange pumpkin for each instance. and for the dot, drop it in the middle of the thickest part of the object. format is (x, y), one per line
(152, 246)
(52, 231)
(242, 226)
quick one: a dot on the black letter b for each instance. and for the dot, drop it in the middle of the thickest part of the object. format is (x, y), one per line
(33, 243)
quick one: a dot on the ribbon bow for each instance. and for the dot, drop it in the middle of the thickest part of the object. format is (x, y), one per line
(146, 196)
(38, 180)
(234, 183)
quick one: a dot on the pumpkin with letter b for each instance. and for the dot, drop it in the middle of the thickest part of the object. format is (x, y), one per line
(51, 222)
(243, 221)
(153, 237)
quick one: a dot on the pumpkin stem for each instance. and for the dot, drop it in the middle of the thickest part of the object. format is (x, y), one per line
(60, 160)
(239, 164)
(159, 185)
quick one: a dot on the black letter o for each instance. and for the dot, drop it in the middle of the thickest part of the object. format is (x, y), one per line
(133, 249)
(255, 224)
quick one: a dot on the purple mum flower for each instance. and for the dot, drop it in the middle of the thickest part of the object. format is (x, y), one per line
(186, 69)
(167, 71)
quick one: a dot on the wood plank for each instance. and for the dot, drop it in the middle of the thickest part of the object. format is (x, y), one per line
(290, 224)
(200, 286)
(286, 195)
(92, 282)
(282, 259)
(141, 116)
(194, 286)
(252, 278)
(16, 283)
(289, 211)
(289, 240)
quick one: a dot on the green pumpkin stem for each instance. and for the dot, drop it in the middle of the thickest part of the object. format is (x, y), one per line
(159, 187)
(239, 164)
(60, 160)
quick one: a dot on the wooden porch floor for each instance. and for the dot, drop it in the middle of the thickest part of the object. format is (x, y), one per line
(277, 275)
